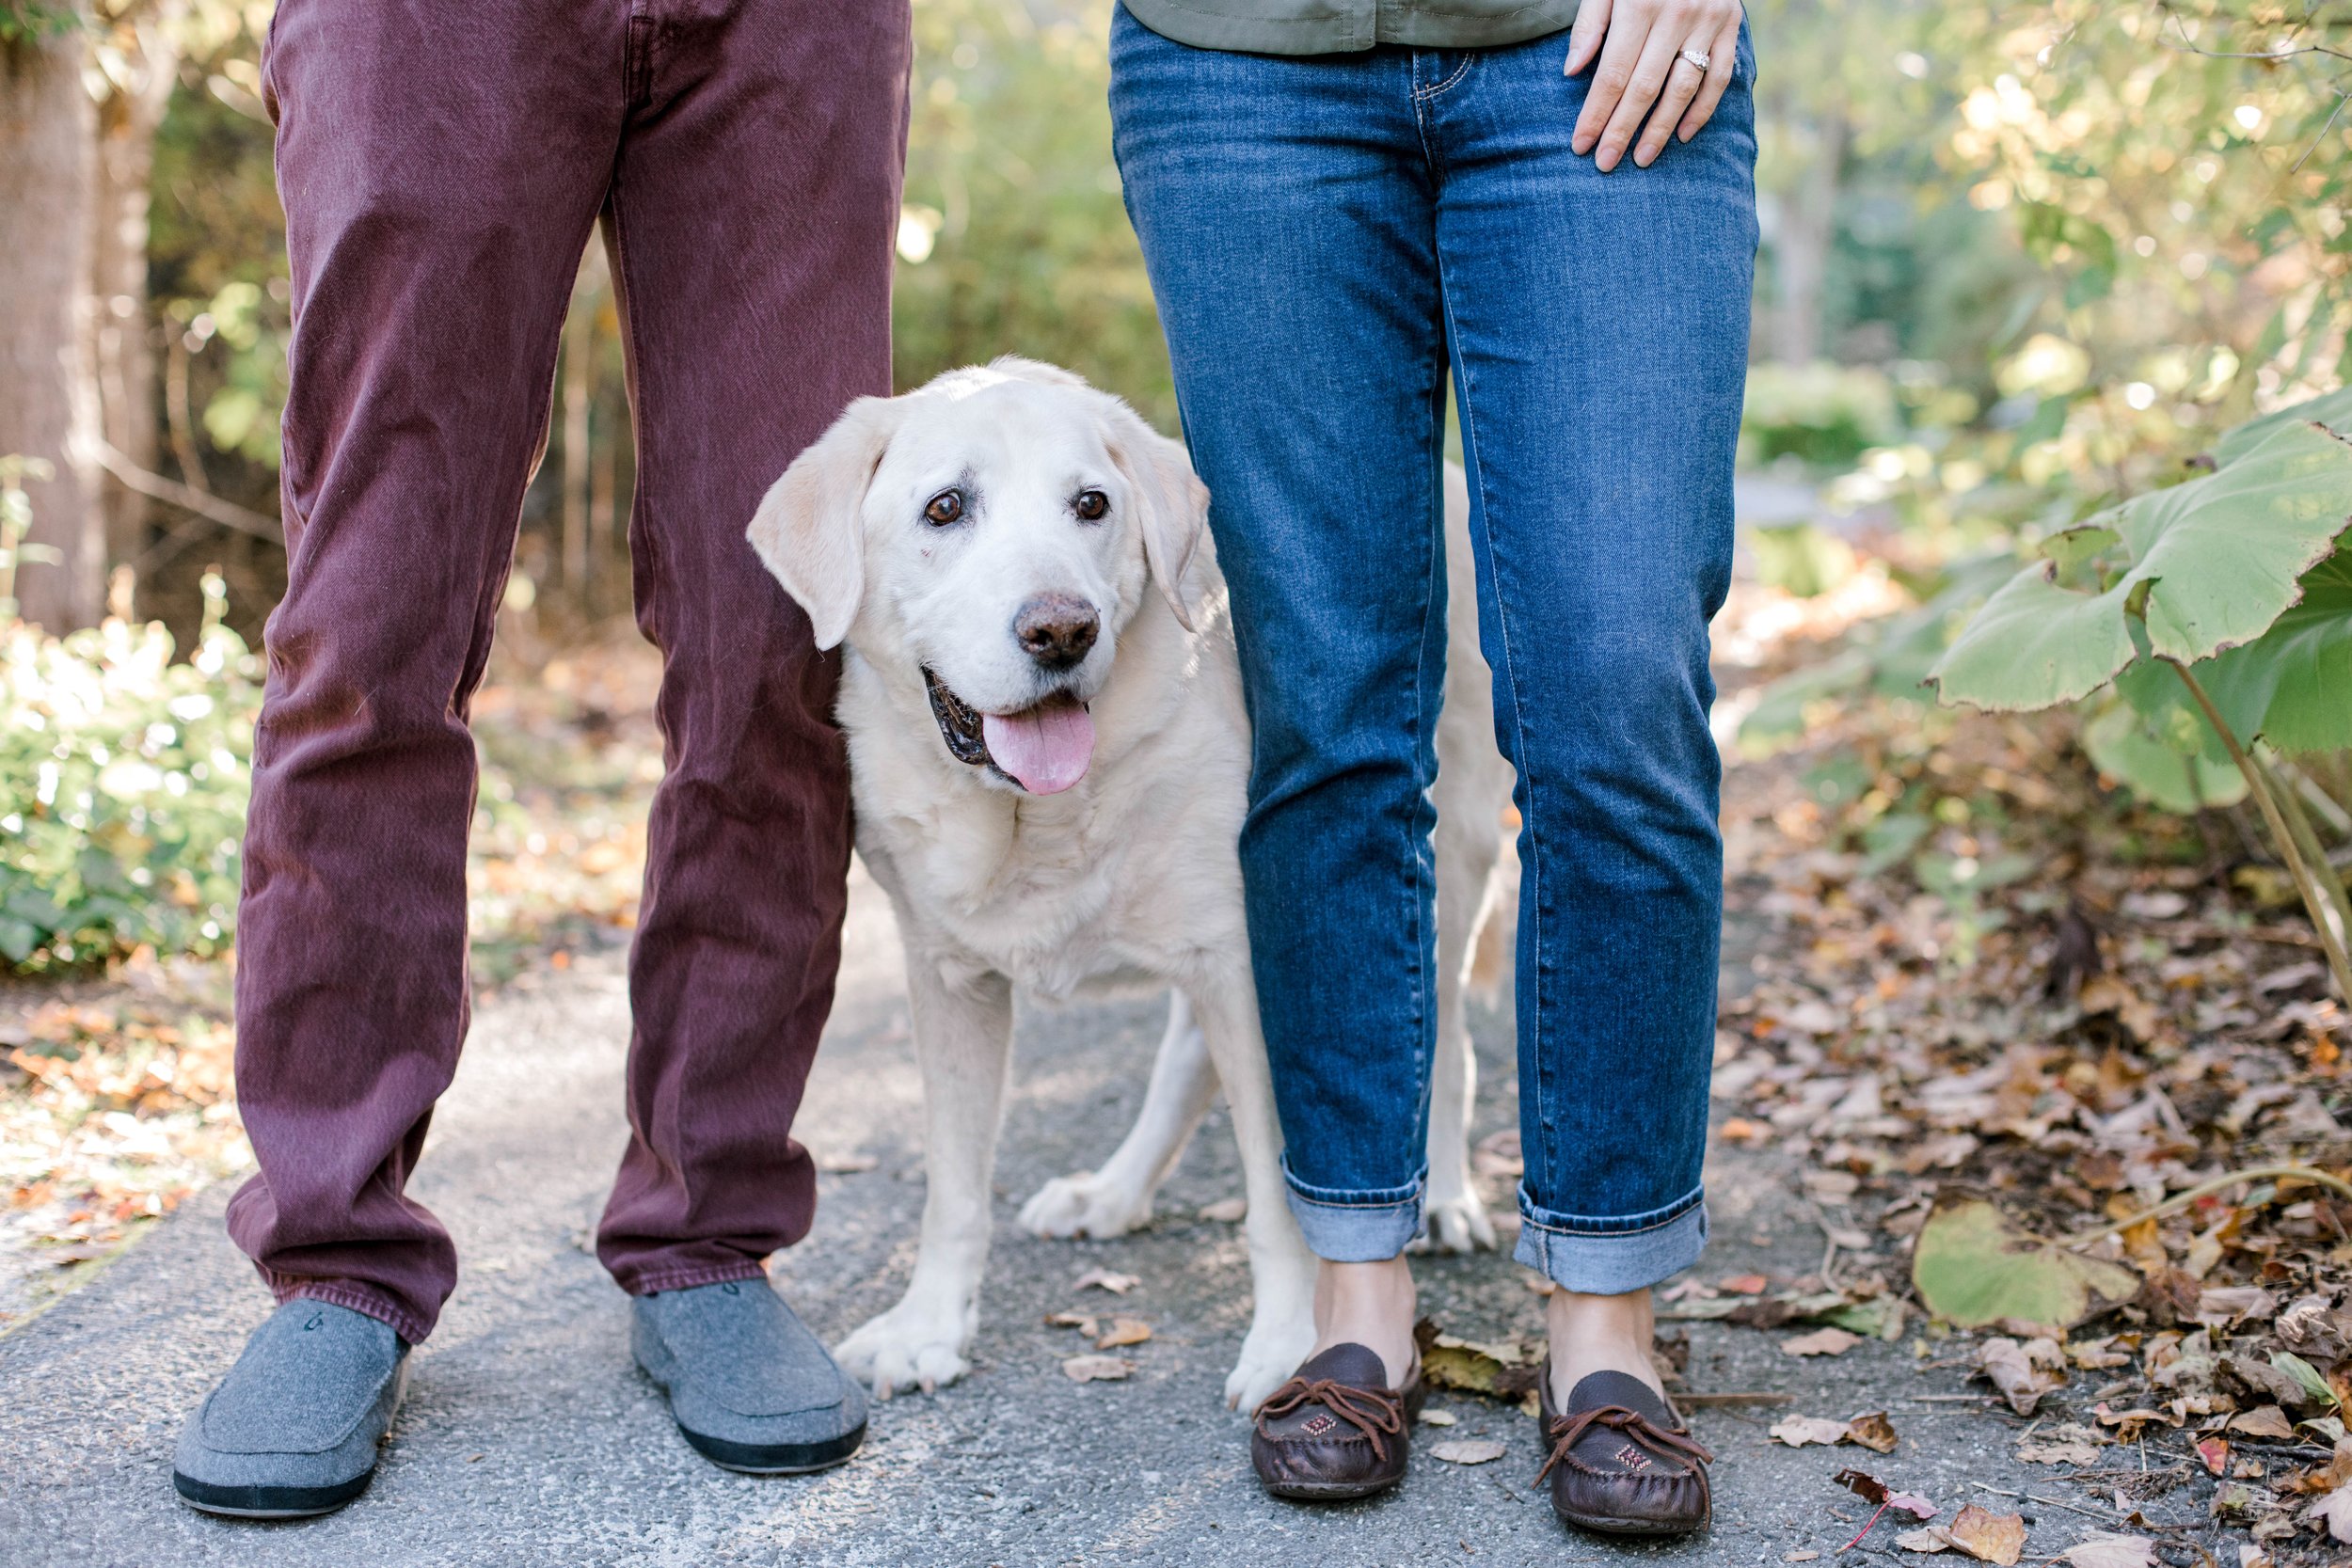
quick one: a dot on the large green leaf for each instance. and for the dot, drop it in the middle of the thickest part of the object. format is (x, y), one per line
(2333, 410)
(2224, 552)
(2035, 645)
(2120, 744)
(1972, 1268)
(2215, 562)
(2297, 676)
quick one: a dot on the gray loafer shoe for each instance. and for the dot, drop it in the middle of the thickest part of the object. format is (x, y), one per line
(293, 1430)
(749, 1388)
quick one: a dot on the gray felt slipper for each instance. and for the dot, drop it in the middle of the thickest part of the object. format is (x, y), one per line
(749, 1388)
(293, 1429)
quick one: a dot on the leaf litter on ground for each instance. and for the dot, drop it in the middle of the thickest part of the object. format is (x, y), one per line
(2063, 1064)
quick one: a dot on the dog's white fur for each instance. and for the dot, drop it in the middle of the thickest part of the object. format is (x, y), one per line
(1129, 875)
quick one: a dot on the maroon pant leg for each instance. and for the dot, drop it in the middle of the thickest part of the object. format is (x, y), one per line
(442, 163)
(752, 216)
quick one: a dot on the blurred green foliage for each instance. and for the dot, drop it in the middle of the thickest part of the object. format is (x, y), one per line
(123, 776)
(1014, 239)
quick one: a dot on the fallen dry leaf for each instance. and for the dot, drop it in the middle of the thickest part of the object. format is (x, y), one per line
(1806, 1555)
(2227, 1307)
(1821, 1341)
(1926, 1538)
(1878, 1493)
(2065, 1443)
(2023, 1371)
(1987, 1536)
(1124, 1331)
(1226, 1211)
(2215, 1453)
(2335, 1511)
(2111, 1551)
(1797, 1431)
(1078, 1321)
(1873, 1431)
(2265, 1420)
(1105, 1280)
(1747, 1284)
(1439, 1418)
(1470, 1451)
(1096, 1368)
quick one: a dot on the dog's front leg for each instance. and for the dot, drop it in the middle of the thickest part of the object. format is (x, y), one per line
(963, 1045)
(1281, 1269)
(1118, 1198)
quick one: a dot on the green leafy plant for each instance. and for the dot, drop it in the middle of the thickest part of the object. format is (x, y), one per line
(123, 779)
(2220, 612)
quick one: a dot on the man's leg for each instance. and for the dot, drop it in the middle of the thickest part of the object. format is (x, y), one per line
(752, 215)
(751, 225)
(440, 165)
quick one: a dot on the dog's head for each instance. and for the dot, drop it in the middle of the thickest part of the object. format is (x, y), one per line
(995, 530)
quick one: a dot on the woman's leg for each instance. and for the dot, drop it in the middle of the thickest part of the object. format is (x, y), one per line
(1598, 326)
(1287, 216)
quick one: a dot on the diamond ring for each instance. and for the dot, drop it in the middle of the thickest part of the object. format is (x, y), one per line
(1694, 56)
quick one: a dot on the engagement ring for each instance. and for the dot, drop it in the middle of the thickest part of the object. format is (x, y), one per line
(1696, 57)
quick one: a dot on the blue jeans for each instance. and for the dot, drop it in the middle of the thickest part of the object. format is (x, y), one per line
(1328, 237)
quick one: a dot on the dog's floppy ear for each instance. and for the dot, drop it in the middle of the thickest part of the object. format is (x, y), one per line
(806, 531)
(1172, 503)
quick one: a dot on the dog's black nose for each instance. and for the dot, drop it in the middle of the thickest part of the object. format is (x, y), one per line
(1056, 629)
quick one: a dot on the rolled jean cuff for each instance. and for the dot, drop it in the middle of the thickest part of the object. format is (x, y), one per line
(1355, 1227)
(1611, 1257)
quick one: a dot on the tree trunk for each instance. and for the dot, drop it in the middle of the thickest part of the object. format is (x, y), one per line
(48, 386)
(1801, 246)
(123, 343)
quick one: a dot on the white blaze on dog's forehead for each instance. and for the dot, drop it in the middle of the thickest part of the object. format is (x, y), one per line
(1009, 429)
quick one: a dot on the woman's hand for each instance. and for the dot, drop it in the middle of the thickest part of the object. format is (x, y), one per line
(1650, 53)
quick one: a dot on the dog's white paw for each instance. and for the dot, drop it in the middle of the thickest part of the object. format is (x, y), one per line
(1085, 1204)
(1457, 1223)
(1268, 1357)
(905, 1348)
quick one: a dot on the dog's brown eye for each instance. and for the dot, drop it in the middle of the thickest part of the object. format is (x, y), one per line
(1091, 506)
(944, 508)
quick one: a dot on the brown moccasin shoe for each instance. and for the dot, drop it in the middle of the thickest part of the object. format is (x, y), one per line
(1622, 1461)
(1333, 1432)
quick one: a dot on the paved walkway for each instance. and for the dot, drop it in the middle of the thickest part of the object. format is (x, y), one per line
(529, 1439)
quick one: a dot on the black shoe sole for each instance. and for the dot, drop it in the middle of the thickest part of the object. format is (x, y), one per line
(776, 1459)
(1601, 1526)
(1326, 1491)
(268, 1502)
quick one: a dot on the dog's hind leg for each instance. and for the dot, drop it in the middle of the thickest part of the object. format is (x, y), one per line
(963, 1045)
(1468, 845)
(1281, 1269)
(1118, 1198)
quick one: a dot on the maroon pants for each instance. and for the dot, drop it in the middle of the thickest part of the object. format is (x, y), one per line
(442, 164)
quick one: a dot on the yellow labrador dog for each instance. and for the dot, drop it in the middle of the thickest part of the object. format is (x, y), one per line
(1050, 759)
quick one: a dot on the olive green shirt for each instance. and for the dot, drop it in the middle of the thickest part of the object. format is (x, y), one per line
(1335, 26)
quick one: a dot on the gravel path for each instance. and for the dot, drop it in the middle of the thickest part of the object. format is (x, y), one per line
(528, 1437)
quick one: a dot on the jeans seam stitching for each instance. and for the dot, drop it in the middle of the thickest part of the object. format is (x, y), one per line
(1426, 94)
(1535, 895)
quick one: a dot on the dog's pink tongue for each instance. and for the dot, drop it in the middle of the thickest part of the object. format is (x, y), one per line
(1047, 747)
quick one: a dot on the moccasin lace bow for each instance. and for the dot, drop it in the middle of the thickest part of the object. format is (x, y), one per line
(1675, 1447)
(1374, 1412)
